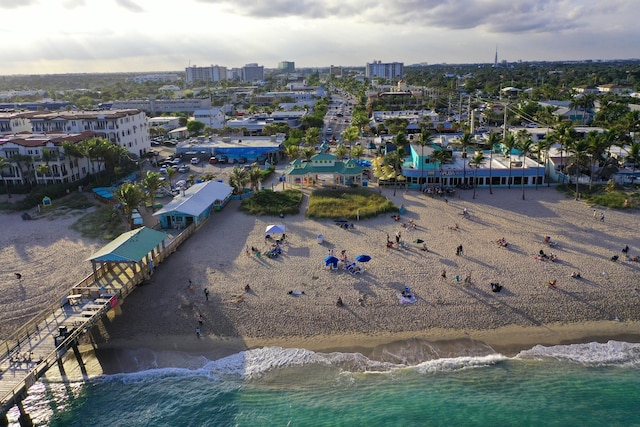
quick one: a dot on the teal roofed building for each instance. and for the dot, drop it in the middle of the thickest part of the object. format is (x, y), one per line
(324, 169)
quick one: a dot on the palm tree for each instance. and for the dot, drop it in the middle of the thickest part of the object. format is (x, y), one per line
(152, 183)
(633, 156)
(477, 160)
(293, 151)
(255, 175)
(465, 142)
(238, 179)
(494, 139)
(541, 146)
(524, 145)
(308, 153)
(509, 144)
(563, 135)
(357, 151)
(425, 139)
(73, 151)
(5, 164)
(597, 144)
(44, 170)
(442, 157)
(171, 173)
(578, 150)
(130, 196)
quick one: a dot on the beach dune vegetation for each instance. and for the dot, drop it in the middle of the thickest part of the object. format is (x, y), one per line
(348, 203)
(268, 202)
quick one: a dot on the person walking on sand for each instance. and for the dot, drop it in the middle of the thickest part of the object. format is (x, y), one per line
(602, 216)
(200, 320)
(595, 214)
(206, 294)
(198, 332)
(443, 274)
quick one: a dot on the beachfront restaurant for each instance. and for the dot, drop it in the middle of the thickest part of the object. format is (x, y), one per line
(326, 170)
(194, 205)
(421, 170)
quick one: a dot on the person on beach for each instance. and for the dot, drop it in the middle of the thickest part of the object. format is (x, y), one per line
(595, 214)
(190, 285)
(496, 287)
(200, 320)
(206, 294)
(575, 274)
(246, 250)
(198, 332)
(602, 217)
(443, 275)
(339, 303)
(552, 283)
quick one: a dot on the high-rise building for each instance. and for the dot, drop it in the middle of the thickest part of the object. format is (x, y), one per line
(212, 73)
(252, 72)
(287, 67)
(335, 70)
(386, 70)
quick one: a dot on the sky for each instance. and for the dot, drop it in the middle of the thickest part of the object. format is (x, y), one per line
(86, 36)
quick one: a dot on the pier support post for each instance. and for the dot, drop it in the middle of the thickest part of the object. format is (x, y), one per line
(61, 366)
(4, 421)
(83, 369)
(24, 419)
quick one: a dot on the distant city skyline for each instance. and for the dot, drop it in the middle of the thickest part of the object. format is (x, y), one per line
(84, 36)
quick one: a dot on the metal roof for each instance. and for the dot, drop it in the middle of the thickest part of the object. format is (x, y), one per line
(132, 246)
(197, 198)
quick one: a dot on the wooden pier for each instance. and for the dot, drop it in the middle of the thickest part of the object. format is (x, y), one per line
(42, 342)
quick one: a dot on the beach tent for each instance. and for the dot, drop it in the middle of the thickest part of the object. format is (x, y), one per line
(275, 229)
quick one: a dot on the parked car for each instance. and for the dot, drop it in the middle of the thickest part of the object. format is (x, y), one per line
(163, 170)
(195, 160)
(176, 161)
(223, 159)
(213, 160)
(242, 160)
(184, 168)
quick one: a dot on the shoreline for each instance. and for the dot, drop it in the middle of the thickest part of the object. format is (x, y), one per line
(507, 341)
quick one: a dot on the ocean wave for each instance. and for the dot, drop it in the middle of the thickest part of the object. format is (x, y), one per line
(594, 354)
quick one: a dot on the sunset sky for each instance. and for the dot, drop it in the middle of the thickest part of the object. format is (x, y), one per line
(62, 36)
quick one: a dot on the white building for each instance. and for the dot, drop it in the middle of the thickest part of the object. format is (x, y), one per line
(212, 73)
(386, 70)
(156, 106)
(126, 128)
(62, 167)
(213, 117)
(167, 123)
(12, 122)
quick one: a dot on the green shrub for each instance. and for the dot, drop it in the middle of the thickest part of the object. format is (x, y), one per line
(348, 203)
(267, 202)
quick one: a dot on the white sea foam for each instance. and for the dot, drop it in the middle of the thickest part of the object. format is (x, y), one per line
(598, 354)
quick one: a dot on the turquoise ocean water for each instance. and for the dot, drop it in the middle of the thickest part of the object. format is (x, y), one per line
(570, 385)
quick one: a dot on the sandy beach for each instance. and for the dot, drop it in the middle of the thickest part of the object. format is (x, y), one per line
(603, 304)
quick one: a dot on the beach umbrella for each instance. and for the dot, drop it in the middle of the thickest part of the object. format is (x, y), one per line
(331, 259)
(275, 229)
(363, 258)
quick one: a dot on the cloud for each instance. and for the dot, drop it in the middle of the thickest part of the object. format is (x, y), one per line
(13, 4)
(498, 16)
(130, 5)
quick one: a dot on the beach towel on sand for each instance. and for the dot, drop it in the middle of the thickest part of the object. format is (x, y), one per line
(404, 300)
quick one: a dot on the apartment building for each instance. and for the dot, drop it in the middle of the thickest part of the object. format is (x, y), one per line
(127, 128)
(62, 167)
(212, 73)
(386, 70)
(156, 106)
(12, 122)
(252, 72)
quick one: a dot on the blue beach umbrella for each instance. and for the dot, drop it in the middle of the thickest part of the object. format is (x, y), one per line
(331, 260)
(363, 258)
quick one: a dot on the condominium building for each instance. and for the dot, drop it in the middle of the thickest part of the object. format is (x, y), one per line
(252, 72)
(386, 70)
(126, 128)
(287, 67)
(61, 167)
(14, 122)
(212, 73)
